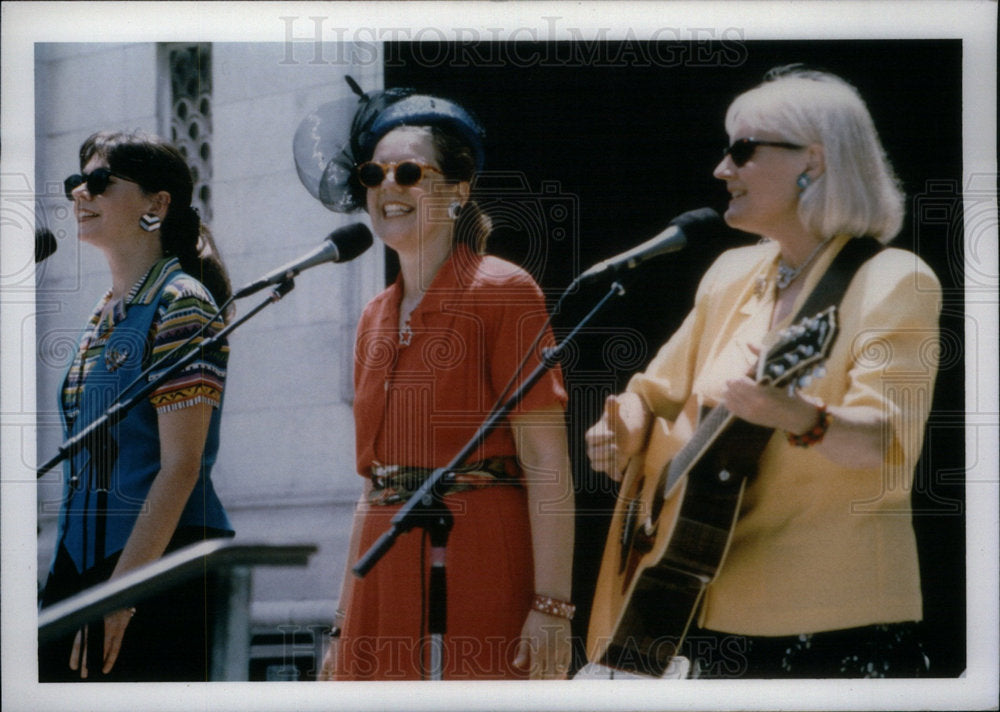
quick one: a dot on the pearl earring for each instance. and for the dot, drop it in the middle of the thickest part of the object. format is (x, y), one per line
(454, 210)
(150, 222)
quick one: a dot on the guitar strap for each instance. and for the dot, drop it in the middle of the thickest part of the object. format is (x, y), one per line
(833, 284)
(828, 292)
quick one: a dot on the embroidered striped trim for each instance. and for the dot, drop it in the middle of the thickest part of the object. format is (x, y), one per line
(170, 407)
(219, 372)
(179, 398)
(149, 286)
(95, 336)
(185, 308)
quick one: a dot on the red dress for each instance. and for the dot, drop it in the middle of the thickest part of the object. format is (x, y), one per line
(417, 405)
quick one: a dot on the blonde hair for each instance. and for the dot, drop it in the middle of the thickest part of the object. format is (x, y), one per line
(858, 192)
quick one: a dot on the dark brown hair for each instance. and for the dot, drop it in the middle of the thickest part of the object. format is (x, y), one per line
(458, 163)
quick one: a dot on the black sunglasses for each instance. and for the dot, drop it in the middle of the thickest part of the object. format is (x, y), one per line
(406, 173)
(97, 181)
(743, 149)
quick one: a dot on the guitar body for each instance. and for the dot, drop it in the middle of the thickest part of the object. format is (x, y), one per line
(663, 549)
(670, 531)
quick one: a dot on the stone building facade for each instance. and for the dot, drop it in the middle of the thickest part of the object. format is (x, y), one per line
(286, 466)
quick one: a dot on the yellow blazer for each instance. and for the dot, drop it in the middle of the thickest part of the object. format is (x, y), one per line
(816, 546)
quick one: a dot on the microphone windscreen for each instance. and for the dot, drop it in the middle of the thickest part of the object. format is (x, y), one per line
(702, 221)
(45, 244)
(351, 241)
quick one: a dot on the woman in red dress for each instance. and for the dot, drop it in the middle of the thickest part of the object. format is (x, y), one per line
(434, 352)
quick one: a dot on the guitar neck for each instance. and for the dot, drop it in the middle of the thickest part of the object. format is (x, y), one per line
(721, 441)
(711, 426)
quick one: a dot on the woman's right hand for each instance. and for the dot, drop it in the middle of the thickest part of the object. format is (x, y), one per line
(618, 435)
(327, 671)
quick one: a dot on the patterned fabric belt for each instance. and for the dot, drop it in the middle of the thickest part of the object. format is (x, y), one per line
(392, 484)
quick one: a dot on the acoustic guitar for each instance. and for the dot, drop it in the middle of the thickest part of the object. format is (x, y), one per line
(669, 534)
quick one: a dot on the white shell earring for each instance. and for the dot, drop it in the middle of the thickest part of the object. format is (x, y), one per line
(150, 222)
(454, 209)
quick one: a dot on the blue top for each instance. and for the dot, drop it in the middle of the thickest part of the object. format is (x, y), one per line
(107, 482)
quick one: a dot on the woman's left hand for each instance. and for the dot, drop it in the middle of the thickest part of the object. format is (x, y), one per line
(544, 650)
(768, 406)
(114, 631)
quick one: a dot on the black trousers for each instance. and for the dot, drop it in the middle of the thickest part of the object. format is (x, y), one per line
(885, 650)
(168, 639)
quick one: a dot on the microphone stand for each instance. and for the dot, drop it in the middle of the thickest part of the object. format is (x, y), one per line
(426, 509)
(116, 411)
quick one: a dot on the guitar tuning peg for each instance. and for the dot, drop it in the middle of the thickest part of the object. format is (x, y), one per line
(805, 381)
(819, 371)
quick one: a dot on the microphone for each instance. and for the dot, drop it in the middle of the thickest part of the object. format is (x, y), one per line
(341, 245)
(674, 238)
(45, 244)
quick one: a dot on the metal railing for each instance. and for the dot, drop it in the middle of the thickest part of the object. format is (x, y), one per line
(231, 562)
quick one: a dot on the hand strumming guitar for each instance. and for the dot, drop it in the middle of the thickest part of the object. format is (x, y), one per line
(619, 434)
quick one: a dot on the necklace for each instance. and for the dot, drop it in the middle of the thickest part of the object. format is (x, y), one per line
(405, 334)
(406, 308)
(788, 274)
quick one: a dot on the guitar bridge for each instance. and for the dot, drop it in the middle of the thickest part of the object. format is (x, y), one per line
(644, 537)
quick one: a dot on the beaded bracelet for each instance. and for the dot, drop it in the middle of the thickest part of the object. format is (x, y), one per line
(553, 606)
(815, 434)
(338, 620)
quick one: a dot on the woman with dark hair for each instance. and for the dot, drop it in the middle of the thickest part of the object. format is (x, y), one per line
(434, 352)
(820, 577)
(144, 487)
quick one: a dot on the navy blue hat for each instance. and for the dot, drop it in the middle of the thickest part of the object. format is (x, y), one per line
(327, 148)
(423, 110)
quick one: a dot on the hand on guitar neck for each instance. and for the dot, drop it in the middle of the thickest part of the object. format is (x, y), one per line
(620, 434)
(772, 407)
(769, 406)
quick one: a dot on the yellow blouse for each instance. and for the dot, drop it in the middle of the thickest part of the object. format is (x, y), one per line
(816, 546)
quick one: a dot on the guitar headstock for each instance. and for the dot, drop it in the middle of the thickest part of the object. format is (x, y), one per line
(799, 351)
